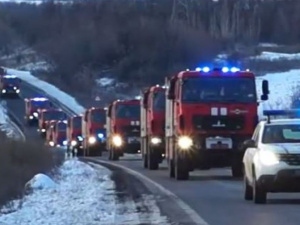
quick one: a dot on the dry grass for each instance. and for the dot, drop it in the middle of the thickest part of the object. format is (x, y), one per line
(19, 162)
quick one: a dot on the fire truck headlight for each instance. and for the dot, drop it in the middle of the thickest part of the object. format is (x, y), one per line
(92, 140)
(31, 117)
(3, 91)
(117, 141)
(43, 130)
(155, 140)
(35, 114)
(65, 142)
(185, 142)
(15, 88)
(18, 91)
(73, 143)
(51, 143)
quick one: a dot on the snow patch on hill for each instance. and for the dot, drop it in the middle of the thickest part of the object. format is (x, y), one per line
(275, 56)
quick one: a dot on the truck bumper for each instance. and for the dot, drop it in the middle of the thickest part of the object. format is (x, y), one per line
(287, 180)
(132, 148)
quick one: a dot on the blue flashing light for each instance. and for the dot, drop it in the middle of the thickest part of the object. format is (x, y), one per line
(290, 112)
(100, 135)
(198, 69)
(40, 99)
(225, 69)
(206, 69)
(80, 138)
(9, 76)
(234, 69)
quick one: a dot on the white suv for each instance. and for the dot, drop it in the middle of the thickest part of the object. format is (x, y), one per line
(272, 158)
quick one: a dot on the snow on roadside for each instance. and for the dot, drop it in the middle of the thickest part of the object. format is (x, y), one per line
(282, 87)
(82, 196)
(50, 89)
(275, 56)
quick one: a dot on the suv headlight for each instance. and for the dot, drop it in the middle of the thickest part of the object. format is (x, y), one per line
(92, 140)
(185, 142)
(268, 158)
(117, 141)
(155, 140)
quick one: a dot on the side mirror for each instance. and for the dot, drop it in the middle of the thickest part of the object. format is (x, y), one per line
(249, 144)
(265, 90)
(85, 117)
(109, 110)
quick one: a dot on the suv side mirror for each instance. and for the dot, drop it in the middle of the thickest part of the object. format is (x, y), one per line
(265, 90)
(249, 144)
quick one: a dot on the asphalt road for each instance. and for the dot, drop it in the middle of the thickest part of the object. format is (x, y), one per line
(213, 194)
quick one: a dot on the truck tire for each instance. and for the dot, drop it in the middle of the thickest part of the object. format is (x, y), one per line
(171, 168)
(181, 167)
(259, 194)
(145, 158)
(248, 190)
(152, 160)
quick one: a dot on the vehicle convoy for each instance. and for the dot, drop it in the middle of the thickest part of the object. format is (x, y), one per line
(123, 128)
(46, 115)
(209, 114)
(272, 158)
(153, 126)
(59, 135)
(9, 85)
(74, 135)
(93, 131)
(49, 132)
(32, 106)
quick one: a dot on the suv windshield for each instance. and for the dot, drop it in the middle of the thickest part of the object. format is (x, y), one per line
(54, 115)
(218, 89)
(99, 117)
(281, 134)
(77, 122)
(159, 101)
(128, 111)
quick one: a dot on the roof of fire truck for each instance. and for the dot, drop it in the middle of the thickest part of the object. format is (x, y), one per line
(126, 102)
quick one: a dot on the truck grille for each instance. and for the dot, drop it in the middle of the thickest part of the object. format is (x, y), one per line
(218, 122)
(290, 159)
(131, 131)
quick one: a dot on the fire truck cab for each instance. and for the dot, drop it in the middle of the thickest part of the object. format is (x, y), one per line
(9, 85)
(48, 115)
(209, 114)
(59, 135)
(32, 106)
(123, 128)
(74, 135)
(93, 131)
(153, 126)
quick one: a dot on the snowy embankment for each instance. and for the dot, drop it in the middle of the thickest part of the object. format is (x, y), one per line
(80, 195)
(7, 126)
(49, 89)
(275, 56)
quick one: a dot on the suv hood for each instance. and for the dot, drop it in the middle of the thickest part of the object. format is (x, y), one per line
(289, 148)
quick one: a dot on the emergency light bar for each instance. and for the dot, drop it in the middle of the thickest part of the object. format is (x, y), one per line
(225, 69)
(290, 112)
(9, 76)
(40, 99)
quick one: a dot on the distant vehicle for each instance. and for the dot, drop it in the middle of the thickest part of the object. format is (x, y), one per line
(74, 135)
(49, 132)
(272, 158)
(46, 115)
(9, 85)
(94, 131)
(153, 126)
(59, 135)
(32, 106)
(209, 114)
(123, 128)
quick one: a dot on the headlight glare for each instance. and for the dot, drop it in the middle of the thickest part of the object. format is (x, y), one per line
(73, 143)
(92, 140)
(268, 158)
(117, 141)
(155, 140)
(185, 142)
(35, 114)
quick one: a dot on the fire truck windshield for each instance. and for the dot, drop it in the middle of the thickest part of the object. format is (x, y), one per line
(41, 104)
(219, 89)
(77, 122)
(54, 115)
(98, 117)
(159, 101)
(12, 81)
(128, 111)
(61, 126)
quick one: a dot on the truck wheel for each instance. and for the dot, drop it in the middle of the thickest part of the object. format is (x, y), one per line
(259, 194)
(181, 168)
(248, 190)
(237, 169)
(145, 161)
(152, 160)
(171, 169)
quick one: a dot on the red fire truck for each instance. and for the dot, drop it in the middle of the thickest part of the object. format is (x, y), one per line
(32, 105)
(74, 135)
(123, 128)
(48, 115)
(9, 85)
(93, 131)
(209, 114)
(153, 126)
(59, 135)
